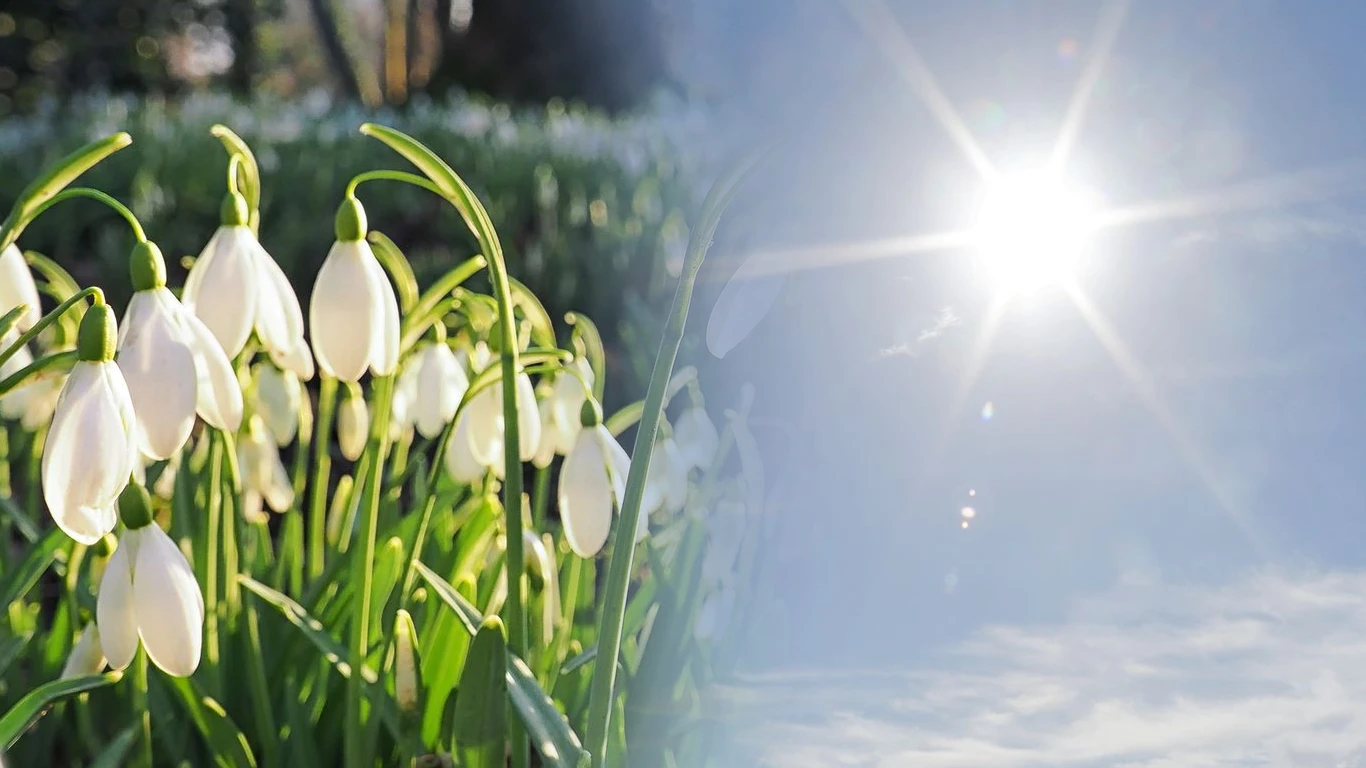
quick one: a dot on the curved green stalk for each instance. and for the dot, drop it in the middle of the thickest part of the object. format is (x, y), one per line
(363, 570)
(451, 187)
(623, 539)
(249, 170)
(322, 468)
(89, 293)
(93, 194)
(53, 181)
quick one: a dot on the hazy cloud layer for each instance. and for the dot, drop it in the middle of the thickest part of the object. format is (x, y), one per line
(1270, 671)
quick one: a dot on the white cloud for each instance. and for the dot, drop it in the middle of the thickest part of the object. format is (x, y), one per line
(1267, 672)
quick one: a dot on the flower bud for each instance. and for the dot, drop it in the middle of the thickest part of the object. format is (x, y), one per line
(406, 675)
(98, 335)
(353, 422)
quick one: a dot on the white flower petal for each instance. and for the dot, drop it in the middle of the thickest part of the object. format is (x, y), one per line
(568, 398)
(159, 370)
(344, 316)
(585, 496)
(297, 359)
(384, 353)
(439, 385)
(279, 321)
(696, 437)
(528, 418)
(114, 606)
(461, 463)
(221, 289)
(87, 657)
(545, 450)
(743, 302)
(485, 429)
(279, 397)
(167, 604)
(16, 287)
(219, 400)
(90, 451)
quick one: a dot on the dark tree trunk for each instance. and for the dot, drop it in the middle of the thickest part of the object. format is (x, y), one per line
(240, 22)
(326, 24)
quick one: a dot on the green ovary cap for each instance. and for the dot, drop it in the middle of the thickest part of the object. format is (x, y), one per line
(234, 211)
(99, 334)
(135, 507)
(590, 415)
(147, 267)
(351, 224)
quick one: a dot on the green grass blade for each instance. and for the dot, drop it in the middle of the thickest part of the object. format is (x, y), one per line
(480, 722)
(225, 740)
(39, 559)
(550, 732)
(37, 701)
(62, 173)
(112, 756)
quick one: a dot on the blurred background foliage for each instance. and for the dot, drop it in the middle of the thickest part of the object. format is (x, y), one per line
(570, 118)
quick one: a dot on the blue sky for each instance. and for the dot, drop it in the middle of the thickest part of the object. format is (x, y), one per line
(1167, 566)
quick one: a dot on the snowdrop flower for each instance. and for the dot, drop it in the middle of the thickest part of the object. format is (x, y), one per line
(34, 402)
(567, 402)
(279, 396)
(461, 463)
(87, 658)
(353, 316)
(406, 675)
(16, 287)
(666, 482)
(148, 592)
(697, 438)
(92, 445)
(235, 287)
(715, 614)
(550, 442)
(264, 476)
(353, 424)
(172, 364)
(402, 416)
(743, 302)
(486, 422)
(592, 484)
(440, 385)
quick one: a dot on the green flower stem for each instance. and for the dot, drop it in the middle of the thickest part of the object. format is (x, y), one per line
(232, 530)
(555, 659)
(322, 468)
(94, 294)
(363, 571)
(94, 194)
(540, 497)
(247, 169)
(382, 175)
(143, 756)
(446, 183)
(613, 617)
(63, 360)
(212, 556)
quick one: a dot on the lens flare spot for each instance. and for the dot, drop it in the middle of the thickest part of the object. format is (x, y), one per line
(988, 411)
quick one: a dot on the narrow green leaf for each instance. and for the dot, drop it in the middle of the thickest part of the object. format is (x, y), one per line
(480, 722)
(550, 732)
(39, 559)
(225, 740)
(112, 756)
(399, 269)
(37, 701)
(55, 180)
(542, 330)
(21, 520)
(9, 650)
(335, 653)
(11, 319)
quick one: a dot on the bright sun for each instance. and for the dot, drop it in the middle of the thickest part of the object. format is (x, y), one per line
(1032, 230)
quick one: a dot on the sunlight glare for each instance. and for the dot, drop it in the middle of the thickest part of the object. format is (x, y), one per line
(1032, 230)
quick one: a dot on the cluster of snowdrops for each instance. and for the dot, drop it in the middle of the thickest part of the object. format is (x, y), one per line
(162, 437)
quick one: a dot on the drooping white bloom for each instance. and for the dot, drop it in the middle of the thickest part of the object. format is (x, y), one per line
(441, 383)
(402, 406)
(406, 682)
(714, 616)
(592, 484)
(235, 287)
(353, 316)
(17, 287)
(87, 657)
(546, 448)
(746, 298)
(725, 536)
(460, 460)
(148, 592)
(279, 396)
(566, 403)
(486, 422)
(666, 483)
(697, 438)
(264, 476)
(174, 369)
(353, 425)
(35, 401)
(12, 404)
(92, 445)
